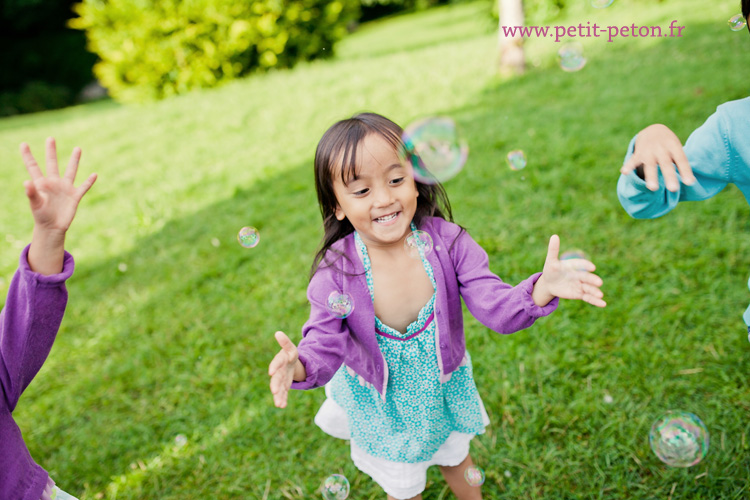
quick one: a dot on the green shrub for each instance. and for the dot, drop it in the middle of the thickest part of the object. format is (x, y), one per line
(151, 49)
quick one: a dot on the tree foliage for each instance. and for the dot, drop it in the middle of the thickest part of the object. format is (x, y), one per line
(151, 49)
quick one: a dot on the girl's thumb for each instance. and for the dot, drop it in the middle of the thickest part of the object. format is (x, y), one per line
(283, 340)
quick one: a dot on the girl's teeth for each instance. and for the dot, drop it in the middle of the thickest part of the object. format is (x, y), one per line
(387, 218)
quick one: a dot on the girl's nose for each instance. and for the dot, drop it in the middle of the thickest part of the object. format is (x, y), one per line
(383, 197)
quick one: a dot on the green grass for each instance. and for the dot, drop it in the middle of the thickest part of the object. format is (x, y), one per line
(180, 341)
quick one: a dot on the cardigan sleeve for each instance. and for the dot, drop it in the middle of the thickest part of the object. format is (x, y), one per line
(497, 305)
(707, 151)
(324, 336)
(29, 323)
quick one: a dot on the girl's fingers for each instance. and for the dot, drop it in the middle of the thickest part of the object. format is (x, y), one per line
(651, 175)
(287, 346)
(553, 248)
(669, 173)
(594, 301)
(35, 198)
(592, 291)
(31, 165)
(84, 188)
(72, 169)
(683, 166)
(51, 150)
(277, 363)
(579, 265)
(630, 164)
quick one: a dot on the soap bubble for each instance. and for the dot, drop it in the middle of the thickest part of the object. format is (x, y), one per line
(433, 149)
(516, 159)
(474, 476)
(736, 22)
(180, 440)
(248, 237)
(571, 57)
(418, 243)
(340, 305)
(601, 4)
(573, 254)
(336, 487)
(679, 439)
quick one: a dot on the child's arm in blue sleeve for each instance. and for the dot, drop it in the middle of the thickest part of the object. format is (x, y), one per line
(708, 158)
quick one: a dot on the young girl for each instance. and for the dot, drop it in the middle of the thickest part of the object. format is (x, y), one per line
(397, 374)
(32, 314)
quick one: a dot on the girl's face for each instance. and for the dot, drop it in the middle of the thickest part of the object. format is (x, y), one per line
(380, 203)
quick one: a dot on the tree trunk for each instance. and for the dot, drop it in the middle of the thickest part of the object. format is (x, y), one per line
(511, 58)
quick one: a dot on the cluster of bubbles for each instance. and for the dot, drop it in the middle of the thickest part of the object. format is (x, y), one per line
(601, 4)
(336, 487)
(339, 305)
(516, 159)
(571, 57)
(248, 237)
(417, 244)
(433, 149)
(679, 439)
(736, 22)
(474, 476)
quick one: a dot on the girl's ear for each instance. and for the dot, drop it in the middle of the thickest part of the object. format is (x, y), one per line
(339, 213)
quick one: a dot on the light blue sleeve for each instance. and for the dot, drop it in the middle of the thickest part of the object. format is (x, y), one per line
(707, 152)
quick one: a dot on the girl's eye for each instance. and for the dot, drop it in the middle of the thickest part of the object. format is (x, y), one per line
(397, 181)
(361, 192)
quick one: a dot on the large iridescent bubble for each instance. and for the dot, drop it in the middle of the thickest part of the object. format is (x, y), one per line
(336, 487)
(736, 22)
(434, 150)
(474, 475)
(418, 244)
(339, 305)
(679, 439)
(571, 57)
(248, 237)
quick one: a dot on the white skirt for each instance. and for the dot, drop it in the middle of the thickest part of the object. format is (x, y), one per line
(399, 480)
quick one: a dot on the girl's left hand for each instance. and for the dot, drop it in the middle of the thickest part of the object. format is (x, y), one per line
(569, 279)
(53, 199)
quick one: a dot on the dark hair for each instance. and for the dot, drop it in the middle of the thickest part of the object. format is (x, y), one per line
(338, 147)
(746, 10)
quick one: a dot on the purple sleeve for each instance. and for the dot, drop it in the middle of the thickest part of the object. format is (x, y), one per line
(324, 337)
(28, 324)
(497, 305)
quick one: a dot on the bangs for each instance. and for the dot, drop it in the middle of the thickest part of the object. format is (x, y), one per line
(343, 158)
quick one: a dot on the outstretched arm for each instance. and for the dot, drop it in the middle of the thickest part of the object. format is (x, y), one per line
(658, 173)
(53, 201)
(37, 296)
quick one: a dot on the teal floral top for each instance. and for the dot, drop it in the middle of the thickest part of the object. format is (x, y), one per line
(419, 413)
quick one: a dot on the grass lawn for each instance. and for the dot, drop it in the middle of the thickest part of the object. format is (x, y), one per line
(169, 329)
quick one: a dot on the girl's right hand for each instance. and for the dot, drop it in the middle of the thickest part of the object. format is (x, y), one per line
(658, 148)
(281, 369)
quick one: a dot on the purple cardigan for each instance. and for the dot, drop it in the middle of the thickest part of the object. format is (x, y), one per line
(461, 269)
(28, 326)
